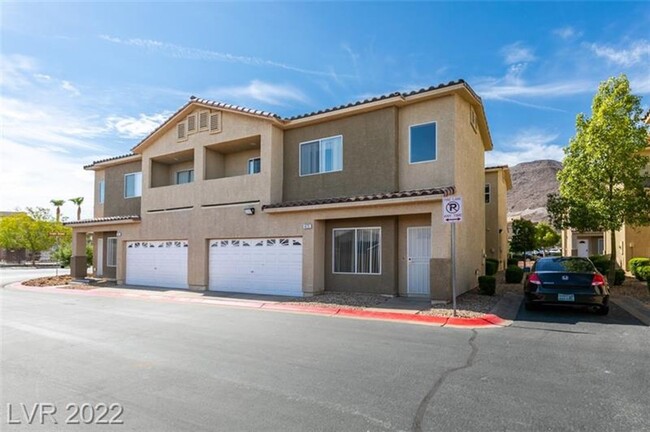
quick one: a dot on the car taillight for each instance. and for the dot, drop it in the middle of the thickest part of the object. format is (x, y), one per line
(598, 280)
(534, 279)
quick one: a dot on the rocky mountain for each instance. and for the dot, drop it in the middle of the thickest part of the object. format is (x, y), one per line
(531, 183)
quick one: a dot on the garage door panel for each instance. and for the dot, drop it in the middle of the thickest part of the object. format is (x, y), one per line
(260, 266)
(157, 263)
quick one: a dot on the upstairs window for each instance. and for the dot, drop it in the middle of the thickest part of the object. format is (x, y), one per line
(215, 122)
(203, 120)
(422, 143)
(488, 192)
(254, 165)
(191, 124)
(101, 192)
(185, 176)
(133, 185)
(180, 131)
(321, 156)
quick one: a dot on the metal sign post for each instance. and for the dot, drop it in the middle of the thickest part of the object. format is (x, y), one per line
(58, 236)
(452, 212)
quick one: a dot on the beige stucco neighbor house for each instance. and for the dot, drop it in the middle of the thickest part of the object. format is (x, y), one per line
(226, 198)
(631, 241)
(497, 183)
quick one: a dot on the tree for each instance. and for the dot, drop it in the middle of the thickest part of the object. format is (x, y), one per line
(545, 236)
(77, 201)
(601, 182)
(22, 231)
(58, 203)
(523, 236)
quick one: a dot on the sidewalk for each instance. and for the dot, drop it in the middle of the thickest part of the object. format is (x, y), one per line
(396, 309)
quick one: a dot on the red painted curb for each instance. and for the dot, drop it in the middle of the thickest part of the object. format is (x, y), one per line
(488, 320)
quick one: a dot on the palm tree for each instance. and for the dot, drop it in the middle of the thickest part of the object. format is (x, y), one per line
(57, 203)
(77, 201)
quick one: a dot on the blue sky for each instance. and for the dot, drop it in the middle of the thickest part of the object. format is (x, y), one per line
(81, 82)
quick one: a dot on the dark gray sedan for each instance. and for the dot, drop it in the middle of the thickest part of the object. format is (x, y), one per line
(566, 281)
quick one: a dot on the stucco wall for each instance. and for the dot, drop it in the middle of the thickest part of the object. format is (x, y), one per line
(369, 157)
(496, 243)
(114, 203)
(384, 283)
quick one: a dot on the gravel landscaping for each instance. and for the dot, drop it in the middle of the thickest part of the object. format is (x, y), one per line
(633, 288)
(58, 281)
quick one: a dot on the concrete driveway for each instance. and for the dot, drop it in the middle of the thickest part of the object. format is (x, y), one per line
(194, 367)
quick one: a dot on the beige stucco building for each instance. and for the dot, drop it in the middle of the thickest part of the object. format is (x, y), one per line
(225, 198)
(497, 183)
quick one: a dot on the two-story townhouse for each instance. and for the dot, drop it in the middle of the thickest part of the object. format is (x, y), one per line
(225, 198)
(631, 241)
(497, 184)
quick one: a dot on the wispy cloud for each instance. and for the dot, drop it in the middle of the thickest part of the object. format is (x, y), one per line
(566, 32)
(260, 91)
(136, 127)
(637, 52)
(189, 53)
(517, 53)
(498, 90)
(525, 146)
(69, 87)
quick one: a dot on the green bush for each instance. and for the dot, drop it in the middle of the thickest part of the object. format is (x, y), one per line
(491, 266)
(487, 285)
(64, 254)
(514, 274)
(635, 264)
(619, 277)
(644, 272)
(601, 262)
(513, 261)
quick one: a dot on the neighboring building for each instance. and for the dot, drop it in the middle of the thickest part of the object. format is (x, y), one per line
(226, 198)
(631, 241)
(497, 184)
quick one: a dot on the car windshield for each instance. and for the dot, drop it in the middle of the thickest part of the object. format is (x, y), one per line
(578, 265)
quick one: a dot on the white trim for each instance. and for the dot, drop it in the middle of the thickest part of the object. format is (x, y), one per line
(434, 122)
(489, 193)
(99, 271)
(355, 229)
(124, 187)
(248, 165)
(108, 240)
(300, 174)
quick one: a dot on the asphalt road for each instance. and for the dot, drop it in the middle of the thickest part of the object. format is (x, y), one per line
(16, 274)
(194, 367)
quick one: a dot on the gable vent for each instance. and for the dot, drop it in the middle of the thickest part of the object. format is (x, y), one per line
(215, 122)
(203, 120)
(180, 130)
(191, 123)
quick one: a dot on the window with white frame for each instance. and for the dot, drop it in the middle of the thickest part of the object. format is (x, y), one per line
(488, 193)
(133, 185)
(184, 176)
(101, 192)
(422, 143)
(111, 252)
(321, 156)
(254, 165)
(356, 250)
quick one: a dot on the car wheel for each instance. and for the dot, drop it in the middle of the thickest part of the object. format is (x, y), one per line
(603, 310)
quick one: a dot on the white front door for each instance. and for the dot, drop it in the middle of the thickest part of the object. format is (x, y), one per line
(418, 246)
(157, 263)
(258, 266)
(99, 271)
(583, 248)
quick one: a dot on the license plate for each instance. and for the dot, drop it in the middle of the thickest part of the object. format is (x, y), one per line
(566, 297)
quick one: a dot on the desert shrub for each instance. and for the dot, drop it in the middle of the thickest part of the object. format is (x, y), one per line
(635, 264)
(491, 266)
(619, 277)
(644, 272)
(514, 274)
(487, 285)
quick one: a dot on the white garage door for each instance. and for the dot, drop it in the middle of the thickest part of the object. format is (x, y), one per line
(157, 263)
(258, 266)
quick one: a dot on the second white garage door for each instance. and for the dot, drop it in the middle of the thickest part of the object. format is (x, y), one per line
(157, 263)
(258, 266)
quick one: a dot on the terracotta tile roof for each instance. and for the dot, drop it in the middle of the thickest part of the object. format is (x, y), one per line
(110, 159)
(445, 191)
(233, 107)
(134, 218)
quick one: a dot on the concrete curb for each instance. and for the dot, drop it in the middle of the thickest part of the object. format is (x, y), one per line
(634, 307)
(487, 321)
